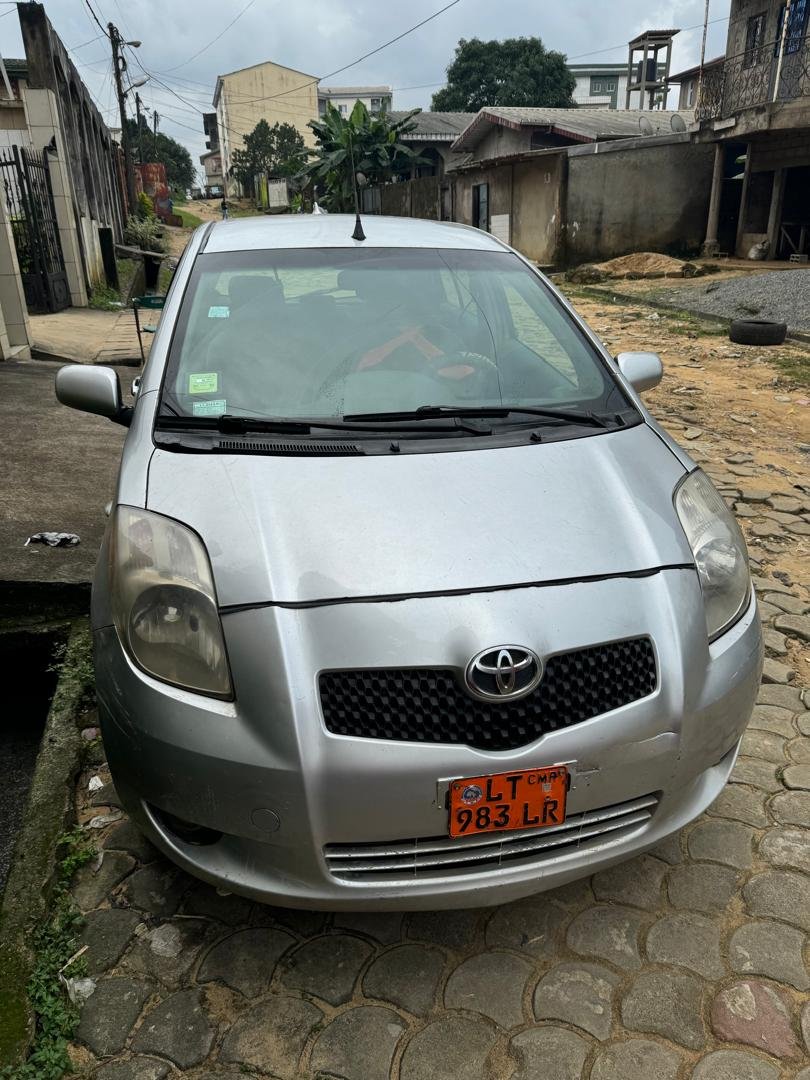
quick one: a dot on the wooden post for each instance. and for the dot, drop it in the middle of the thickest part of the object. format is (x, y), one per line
(775, 212)
(711, 247)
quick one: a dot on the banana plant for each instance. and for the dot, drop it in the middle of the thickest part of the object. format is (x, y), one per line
(360, 143)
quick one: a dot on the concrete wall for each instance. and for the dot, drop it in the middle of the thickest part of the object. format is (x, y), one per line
(501, 141)
(536, 211)
(647, 196)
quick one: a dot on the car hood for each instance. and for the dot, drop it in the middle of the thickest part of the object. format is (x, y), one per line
(298, 529)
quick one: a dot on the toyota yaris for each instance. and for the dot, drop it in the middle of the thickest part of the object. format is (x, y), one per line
(405, 600)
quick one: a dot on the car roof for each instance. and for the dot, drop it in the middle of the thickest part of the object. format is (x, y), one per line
(335, 230)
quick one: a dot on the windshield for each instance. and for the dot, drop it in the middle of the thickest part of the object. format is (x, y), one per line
(325, 333)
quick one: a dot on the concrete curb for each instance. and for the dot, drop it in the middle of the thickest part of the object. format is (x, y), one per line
(50, 800)
(598, 292)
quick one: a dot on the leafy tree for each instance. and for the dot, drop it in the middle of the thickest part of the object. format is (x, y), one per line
(278, 150)
(363, 143)
(163, 148)
(517, 71)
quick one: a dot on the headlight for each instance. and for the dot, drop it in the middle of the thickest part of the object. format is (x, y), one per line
(719, 549)
(163, 602)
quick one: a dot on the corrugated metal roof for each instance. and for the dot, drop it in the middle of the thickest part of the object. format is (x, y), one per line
(687, 73)
(436, 125)
(580, 124)
(363, 91)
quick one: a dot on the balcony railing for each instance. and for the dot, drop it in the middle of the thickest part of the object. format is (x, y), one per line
(749, 79)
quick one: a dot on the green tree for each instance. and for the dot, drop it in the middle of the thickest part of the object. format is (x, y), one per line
(361, 142)
(278, 151)
(163, 148)
(516, 71)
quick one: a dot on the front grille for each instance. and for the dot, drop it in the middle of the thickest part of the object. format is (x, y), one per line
(429, 705)
(439, 856)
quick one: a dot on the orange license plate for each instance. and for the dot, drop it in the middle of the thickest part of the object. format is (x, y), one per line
(523, 799)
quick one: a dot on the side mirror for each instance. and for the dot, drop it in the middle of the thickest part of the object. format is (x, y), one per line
(94, 390)
(643, 370)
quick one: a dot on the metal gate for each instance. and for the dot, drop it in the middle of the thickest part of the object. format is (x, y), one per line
(30, 210)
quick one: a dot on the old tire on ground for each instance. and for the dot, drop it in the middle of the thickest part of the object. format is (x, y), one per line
(757, 332)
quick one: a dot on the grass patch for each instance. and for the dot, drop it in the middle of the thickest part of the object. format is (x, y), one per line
(104, 298)
(793, 368)
(190, 221)
(54, 944)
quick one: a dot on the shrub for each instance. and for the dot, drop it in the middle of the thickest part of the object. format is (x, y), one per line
(145, 210)
(146, 235)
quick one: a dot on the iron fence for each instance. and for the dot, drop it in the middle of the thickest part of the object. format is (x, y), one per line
(750, 79)
(28, 198)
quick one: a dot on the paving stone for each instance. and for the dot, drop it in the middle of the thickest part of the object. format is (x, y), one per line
(203, 899)
(780, 894)
(803, 723)
(530, 926)
(773, 718)
(109, 1013)
(756, 1014)
(666, 1003)
(702, 887)
(798, 750)
(793, 807)
(359, 1044)
(785, 503)
(609, 933)
(448, 1049)
(157, 889)
(106, 795)
(572, 897)
(786, 848)
(177, 1029)
(689, 941)
(764, 745)
(245, 961)
(805, 1025)
(727, 842)
(270, 1036)
(107, 933)
(407, 976)
(636, 882)
(741, 804)
(798, 528)
(759, 774)
(775, 672)
(382, 926)
(551, 1052)
(577, 994)
(168, 951)
(774, 641)
(327, 967)
(636, 1059)
(771, 949)
(305, 924)
(790, 604)
(452, 929)
(669, 849)
(786, 697)
(734, 1065)
(91, 886)
(797, 777)
(490, 983)
(767, 612)
(134, 1068)
(126, 837)
(769, 584)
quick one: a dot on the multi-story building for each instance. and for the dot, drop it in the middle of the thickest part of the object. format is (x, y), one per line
(211, 162)
(689, 79)
(755, 107)
(600, 86)
(375, 98)
(266, 91)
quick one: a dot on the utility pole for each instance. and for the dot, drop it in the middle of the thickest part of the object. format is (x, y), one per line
(140, 129)
(119, 65)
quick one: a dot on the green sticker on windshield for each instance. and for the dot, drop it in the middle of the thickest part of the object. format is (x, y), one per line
(209, 408)
(205, 383)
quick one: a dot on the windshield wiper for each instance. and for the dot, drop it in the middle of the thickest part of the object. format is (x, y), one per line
(493, 411)
(229, 424)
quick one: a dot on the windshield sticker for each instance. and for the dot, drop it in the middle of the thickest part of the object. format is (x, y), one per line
(209, 408)
(219, 312)
(206, 382)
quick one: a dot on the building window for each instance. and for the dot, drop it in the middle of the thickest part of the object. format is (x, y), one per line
(375, 104)
(601, 85)
(754, 38)
(480, 197)
(343, 109)
(797, 24)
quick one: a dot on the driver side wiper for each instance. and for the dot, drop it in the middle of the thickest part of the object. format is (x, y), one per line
(494, 411)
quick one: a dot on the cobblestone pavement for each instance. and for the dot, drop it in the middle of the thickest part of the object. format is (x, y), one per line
(687, 962)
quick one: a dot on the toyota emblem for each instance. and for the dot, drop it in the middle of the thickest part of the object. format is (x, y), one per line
(504, 673)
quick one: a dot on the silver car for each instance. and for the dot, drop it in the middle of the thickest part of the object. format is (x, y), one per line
(405, 601)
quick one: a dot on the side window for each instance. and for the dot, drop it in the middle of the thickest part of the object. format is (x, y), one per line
(533, 332)
(754, 38)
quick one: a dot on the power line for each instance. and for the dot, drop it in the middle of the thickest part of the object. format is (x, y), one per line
(213, 41)
(96, 19)
(614, 48)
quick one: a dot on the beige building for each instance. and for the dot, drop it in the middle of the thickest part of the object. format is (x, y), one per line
(265, 91)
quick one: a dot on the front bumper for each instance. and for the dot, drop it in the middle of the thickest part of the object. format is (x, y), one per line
(281, 789)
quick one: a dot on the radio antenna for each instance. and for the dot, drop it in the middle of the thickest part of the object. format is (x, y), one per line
(358, 233)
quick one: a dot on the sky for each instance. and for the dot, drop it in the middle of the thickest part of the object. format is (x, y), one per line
(319, 36)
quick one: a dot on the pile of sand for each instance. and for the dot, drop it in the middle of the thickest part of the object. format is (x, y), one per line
(647, 264)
